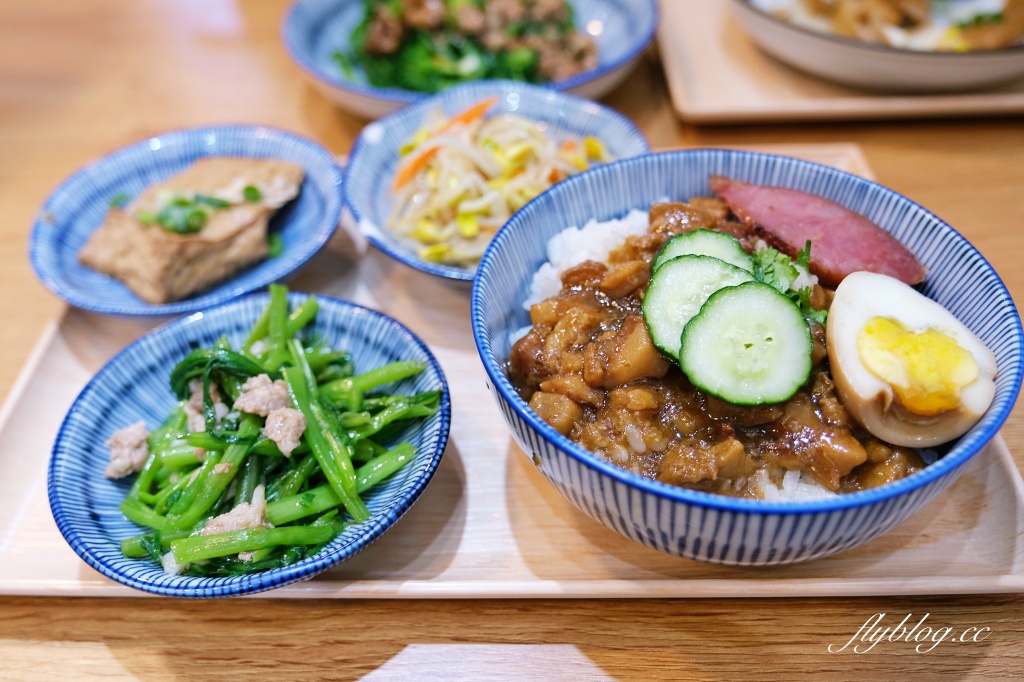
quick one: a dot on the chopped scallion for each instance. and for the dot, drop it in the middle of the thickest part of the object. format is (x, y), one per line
(252, 193)
(275, 245)
(213, 202)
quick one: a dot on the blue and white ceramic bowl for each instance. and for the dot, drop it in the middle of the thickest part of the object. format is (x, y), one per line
(314, 30)
(78, 206)
(374, 158)
(699, 525)
(134, 385)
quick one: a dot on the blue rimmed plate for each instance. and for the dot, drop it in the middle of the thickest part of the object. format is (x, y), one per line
(78, 206)
(134, 385)
(374, 158)
(314, 30)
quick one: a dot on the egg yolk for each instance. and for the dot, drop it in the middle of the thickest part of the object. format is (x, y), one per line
(926, 369)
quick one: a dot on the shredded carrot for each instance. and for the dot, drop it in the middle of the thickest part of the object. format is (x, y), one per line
(408, 171)
(569, 145)
(415, 165)
(467, 116)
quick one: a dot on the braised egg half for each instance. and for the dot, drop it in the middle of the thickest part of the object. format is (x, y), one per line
(904, 367)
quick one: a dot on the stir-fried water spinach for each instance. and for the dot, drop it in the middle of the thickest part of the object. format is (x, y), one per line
(209, 462)
(427, 46)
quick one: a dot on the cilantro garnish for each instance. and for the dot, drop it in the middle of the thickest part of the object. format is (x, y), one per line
(780, 271)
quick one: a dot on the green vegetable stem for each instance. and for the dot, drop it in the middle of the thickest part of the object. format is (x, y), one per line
(313, 493)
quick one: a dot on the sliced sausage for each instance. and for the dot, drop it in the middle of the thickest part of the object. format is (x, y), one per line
(842, 242)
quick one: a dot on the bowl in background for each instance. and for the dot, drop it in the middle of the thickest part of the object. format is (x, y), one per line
(134, 385)
(314, 30)
(375, 154)
(78, 206)
(873, 66)
(699, 525)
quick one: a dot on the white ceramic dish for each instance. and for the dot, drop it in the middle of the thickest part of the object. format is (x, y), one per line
(877, 67)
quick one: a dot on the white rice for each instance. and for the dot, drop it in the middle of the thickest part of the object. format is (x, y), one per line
(795, 487)
(805, 281)
(573, 245)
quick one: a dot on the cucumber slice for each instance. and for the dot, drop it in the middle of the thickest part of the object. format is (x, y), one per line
(677, 291)
(749, 345)
(704, 243)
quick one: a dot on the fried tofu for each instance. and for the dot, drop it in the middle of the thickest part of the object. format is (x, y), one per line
(162, 266)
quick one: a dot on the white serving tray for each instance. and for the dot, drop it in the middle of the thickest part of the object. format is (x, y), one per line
(489, 525)
(716, 74)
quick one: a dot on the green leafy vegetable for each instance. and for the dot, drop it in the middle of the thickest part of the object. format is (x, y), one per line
(982, 20)
(180, 214)
(313, 493)
(252, 193)
(345, 63)
(275, 245)
(212, 202)
(429, 61)
(151, 545)
(780, 271)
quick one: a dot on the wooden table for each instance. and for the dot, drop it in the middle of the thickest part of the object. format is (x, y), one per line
(79, 79)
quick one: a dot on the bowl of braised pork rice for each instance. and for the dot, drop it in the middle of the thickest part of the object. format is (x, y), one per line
(743, 358)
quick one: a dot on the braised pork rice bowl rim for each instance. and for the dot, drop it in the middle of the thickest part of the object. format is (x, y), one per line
(956, 454)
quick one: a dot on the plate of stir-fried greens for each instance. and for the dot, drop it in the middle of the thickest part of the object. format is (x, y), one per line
(373, 56)
(249, 446)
